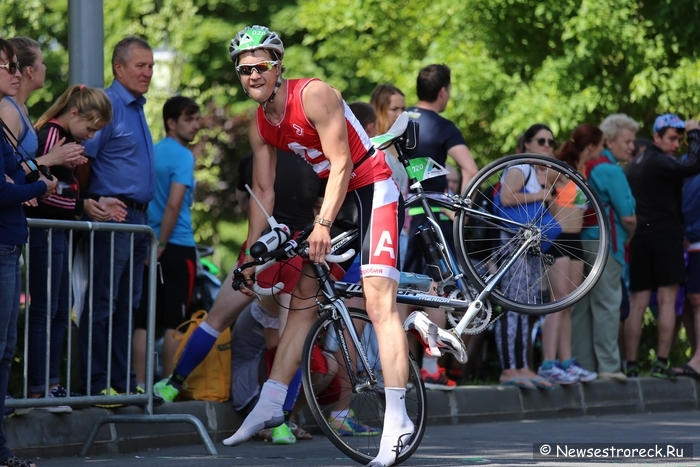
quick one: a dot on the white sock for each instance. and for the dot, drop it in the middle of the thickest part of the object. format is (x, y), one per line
(398, 428)
(267, 413)
(430, 364)
(209, 330)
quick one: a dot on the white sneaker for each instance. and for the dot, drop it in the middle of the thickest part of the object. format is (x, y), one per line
(436, 341)
(584, 375)
(556, 374)
(55, 408)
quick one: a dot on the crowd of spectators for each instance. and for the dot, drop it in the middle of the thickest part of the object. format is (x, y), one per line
(100, 148)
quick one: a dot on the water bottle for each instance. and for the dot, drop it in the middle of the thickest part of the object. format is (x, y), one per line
(63, 186)
(438, 267)
(271, 240)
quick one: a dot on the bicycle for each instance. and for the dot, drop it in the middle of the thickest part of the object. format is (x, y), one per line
(465, 296)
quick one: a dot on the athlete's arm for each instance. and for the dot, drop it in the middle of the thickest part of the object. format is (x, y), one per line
(264, 164)
(463, 157)
(324, 109)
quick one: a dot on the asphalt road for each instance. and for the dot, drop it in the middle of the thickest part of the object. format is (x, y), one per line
(503, 443)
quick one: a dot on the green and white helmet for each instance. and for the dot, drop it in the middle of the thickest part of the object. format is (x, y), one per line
(255, 37)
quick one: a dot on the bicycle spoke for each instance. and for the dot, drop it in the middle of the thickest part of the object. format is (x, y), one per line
(485, 244)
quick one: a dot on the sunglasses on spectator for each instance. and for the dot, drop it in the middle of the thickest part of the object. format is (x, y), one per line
(550, 142)
(260, 67)
(11, 67)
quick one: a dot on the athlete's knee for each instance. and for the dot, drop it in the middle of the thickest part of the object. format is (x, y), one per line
(223, 316)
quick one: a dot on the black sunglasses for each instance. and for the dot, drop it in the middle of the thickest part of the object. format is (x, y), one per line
(550, 142)
(11, 67)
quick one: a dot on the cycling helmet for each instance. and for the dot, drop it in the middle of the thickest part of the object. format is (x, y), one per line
(255, 37)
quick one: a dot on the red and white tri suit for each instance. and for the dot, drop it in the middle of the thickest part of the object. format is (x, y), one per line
(371, 188)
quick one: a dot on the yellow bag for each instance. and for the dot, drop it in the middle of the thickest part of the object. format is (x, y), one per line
(211, 380)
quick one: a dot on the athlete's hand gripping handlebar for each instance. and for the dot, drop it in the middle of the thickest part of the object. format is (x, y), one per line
(239, 279)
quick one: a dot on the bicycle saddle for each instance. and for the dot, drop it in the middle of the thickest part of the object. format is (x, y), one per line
(403, 132)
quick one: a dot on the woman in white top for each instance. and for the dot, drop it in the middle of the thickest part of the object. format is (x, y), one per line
(521, 185)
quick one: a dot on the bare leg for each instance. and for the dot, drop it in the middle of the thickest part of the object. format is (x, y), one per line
(694, 303)
(267, 413)
(227, 306)
(667, 318)
(556, 324)
(170, 346)
(633, 324)
(574, 274)
(302, 314)
(380, 297)
(550, 335)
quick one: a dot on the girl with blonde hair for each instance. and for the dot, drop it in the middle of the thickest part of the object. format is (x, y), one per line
(75, 117)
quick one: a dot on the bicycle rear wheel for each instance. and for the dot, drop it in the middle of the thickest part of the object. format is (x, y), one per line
(484, 245)
(365, 404)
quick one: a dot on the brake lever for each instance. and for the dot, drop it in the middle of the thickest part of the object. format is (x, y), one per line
(238, 281)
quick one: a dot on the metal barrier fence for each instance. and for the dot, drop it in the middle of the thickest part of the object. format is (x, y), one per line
(144, 399)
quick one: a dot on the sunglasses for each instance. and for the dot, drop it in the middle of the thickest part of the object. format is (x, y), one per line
(11, 67)
(260, 67)
(550, 142)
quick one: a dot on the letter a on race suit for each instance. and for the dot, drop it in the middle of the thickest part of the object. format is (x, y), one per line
(385, 244)
(384, 231)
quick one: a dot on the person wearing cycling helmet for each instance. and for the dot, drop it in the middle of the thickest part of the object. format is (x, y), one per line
(311, 119)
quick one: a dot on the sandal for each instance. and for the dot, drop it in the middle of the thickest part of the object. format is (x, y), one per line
(299, 432)
(265, 434)
(14, 461)
(688, 371)
(542, 383)
(522, 383)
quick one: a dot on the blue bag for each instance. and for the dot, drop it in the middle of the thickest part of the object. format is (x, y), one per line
(526, 213)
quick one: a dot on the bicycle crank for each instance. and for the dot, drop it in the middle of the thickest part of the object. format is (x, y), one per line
(478, 323)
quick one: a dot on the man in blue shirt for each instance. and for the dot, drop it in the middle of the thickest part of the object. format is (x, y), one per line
(169, 216)
(122, 166)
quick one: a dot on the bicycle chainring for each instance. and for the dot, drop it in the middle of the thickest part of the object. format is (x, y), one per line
(479, 323)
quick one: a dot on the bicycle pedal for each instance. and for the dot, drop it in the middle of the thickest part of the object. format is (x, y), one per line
(436, 341)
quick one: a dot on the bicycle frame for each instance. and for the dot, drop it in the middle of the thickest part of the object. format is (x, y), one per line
(455, 203)
(337, 307)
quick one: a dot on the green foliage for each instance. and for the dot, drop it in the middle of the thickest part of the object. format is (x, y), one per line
(514, 63)
(681, 350)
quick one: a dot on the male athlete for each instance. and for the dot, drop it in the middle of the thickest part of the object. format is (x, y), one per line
(310, 118)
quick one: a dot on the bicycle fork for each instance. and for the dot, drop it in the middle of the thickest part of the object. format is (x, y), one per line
(338, 307)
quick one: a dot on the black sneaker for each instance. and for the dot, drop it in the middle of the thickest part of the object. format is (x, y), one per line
(60, 391)
(663, 372)
(631, 371)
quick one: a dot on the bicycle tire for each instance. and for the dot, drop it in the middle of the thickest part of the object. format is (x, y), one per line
(481, 245)
(367, 405)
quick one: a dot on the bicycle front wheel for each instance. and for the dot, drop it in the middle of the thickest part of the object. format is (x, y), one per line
(538, 282)
(347, 407)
